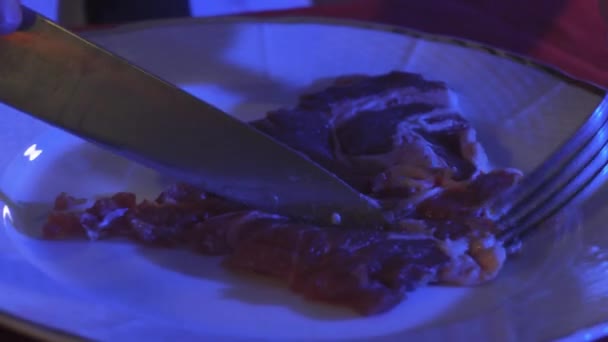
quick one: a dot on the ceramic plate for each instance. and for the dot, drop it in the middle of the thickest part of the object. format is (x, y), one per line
(114, 290)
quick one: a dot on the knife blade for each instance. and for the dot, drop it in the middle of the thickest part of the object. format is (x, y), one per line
(68, 82)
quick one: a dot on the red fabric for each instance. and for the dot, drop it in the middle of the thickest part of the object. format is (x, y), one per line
(569, 34)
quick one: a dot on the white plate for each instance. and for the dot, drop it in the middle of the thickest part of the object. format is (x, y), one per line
(119, 291)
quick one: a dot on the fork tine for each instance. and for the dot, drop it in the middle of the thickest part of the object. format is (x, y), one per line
(562, 176)
(590, 177)
(531, 184)
(570, 174)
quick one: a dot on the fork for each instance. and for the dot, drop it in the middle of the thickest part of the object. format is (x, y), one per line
(569, 176)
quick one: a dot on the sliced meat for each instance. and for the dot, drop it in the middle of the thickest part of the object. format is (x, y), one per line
(388, 136)
(354, 134)
(458, 216)
(468, 200)
(365, 270)
(167, 221)
(352, 94)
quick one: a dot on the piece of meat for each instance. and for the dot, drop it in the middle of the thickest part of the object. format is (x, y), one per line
(366, 270)
(166, 221)
(62, 225)
(468, 200)
(354, 136)
(351, 94)
(389, 135)
(396, 138)
(458, 216)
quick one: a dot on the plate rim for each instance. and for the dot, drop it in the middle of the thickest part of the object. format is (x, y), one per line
(353, 23)
(30, 328)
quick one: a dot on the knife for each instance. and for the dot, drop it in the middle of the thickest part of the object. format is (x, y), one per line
(68, 82)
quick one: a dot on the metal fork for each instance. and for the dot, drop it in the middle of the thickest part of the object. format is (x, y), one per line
(567, 177)
(570, 175)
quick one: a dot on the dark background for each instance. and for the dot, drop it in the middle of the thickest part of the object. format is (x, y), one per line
(119, 11)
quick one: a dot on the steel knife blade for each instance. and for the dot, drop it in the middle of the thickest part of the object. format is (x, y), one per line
(58, 77)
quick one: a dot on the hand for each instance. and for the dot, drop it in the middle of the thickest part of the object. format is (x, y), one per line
(10, 15)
